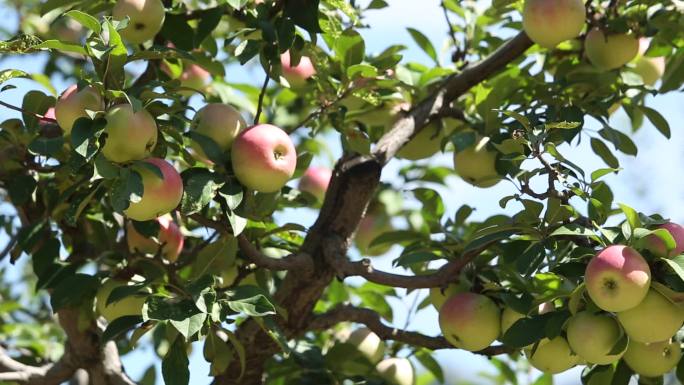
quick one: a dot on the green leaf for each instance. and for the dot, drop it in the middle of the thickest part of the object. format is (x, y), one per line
(46, 146)
(657, 120)
(160, 308)
(350, 47)
(73, 291)
(304, 13)
(175, 364)
(237, 223)
(236, 4)
(119, 326)
(526, 331)
(424, 44)
(62, 47)
(428, 361)
(597, 174)
(190, 326)
(116, 57)
(199, 188)
(233, 194)
(85, 19)
(676, 264)
(631, 215)
(20, 189)
(621, 141)
(50, 5)
(602, 151)
(623, 374)
(251, 301)
(126, 189)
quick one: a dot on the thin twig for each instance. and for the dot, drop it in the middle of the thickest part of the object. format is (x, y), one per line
(19, 109)
(261, 99)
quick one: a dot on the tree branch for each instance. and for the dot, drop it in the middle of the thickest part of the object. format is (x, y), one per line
(51, 374)
(370, 318)
(289, 262)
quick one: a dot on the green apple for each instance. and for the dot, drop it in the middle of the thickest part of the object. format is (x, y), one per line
(396, 371)
(131, 305)
(146, 19)
(549, 22)
(427, 142)
(470, 321)
(649, 68)
(368, 343)
(371, 227)
(264, 158)
(72, 104)
(654, 319)
(610, 51)
(130, 135)
(508, 318)
(160, 195)
(552, 356)
(477, 165)
(593, 336)
(170, 239)
(219, 122)
(652, 360)
(617, 278)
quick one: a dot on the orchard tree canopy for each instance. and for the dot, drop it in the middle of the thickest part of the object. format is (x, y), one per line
(142, 206)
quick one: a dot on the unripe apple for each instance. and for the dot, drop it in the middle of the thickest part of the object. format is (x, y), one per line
(298, 74)
(131, 305)
(649, 68)
(384, 115)
(370, 227)
(617, 278)
(396, 371)
(264, 158)
(654, 319)
(146, 19)
(656, 246)
(219, 122)
(130, 135)
(552, 356)
(549, 22)
(652, 360)
(426, 143)
(160, 195)
(470, 321)
(477, 165)
(593, 336)
(169, 239)
(438, 295)
(315, 181)
(608, 52)
(508, 318)
(368, 343)
(72, 104)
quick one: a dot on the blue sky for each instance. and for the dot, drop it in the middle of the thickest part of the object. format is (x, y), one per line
(648, 182)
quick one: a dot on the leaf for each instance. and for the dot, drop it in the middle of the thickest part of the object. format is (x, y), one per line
(217, 351)
(62, 47)
(256, 306)
(189, 326)
(50, 5)
(120, 326)
(424, 44)
(46, 146)
(236, 4)
(676, 264)
(116, 56)
(597, 174)
(631, 215)
(126, 189)
(657, 120)
(237, 223)
(485, 239)
(526, 331)
(428, 361)
(199, 187)
(304, 13)
(162, 309)
(175, 364)
(85, 19)
(73, 291)
(20, 189)
(350, 47)
(623, 374)
(621, 141)
(602, 151)
(233, 194)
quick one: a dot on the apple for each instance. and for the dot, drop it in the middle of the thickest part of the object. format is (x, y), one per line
(50, 114)
(219, 122)
(510, 316)
(370, 227)
(549, 22)
(655, 319)
(477, 165)
(657, 246)
(368, 343)
(439, 295)
(72, 104)
(264, 158)
(612, 51)
(315, 181)
(169, 239)
(649, 68)
(130, 135)
(396, 371)
(617, 278)
(298, 74)
(593, 336)
(470, 321)
(194, 77)
(652, 360)
(160, 195)
(384, 115)
(131, 305)
(146, 19)
(552, 356)
(425, 143)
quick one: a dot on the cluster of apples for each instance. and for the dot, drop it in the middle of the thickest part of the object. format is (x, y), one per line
(629, 317)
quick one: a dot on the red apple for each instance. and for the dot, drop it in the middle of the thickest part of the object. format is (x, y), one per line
(146, 19)
(298, 74)
(160, 196)
(169, 239)
(315, 181)
(264, 158)
(657, 246)
(549, 22)
(72, 104)
(371, 227)
(50, 114)
(470, 321)
(617, 278)
(130, 135)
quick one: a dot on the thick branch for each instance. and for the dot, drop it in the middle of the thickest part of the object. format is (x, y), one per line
(52, 374)
(368, 317)
(289, 262)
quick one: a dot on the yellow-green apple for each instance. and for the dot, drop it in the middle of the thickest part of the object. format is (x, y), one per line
(146, 19)
(297, 75)
(72, 104)
(130, 135)
(127, 306)
(477, 165)
(370, 227)
(649, 68)
(470, 321)
(440, 295)
(384, 115)
(396, 371)
(552, 356)
(264, 158)
(426, 143)
(368, 343)
(549, 22)
(657, 246)
(169, 241)
(219, 122)
(315, 181)
(611, 51)
(655, 319)
(652, 360)
(617, 278)
(160, 195)
(593, 336)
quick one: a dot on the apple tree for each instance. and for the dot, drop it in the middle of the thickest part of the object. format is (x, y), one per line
(151, 203)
